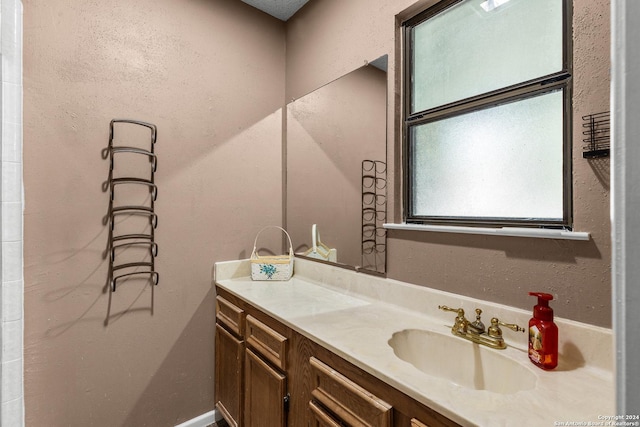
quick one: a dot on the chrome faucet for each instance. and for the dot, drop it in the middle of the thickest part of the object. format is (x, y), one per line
(475, 331)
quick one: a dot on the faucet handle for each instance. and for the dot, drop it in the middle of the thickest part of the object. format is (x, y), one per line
(461, 323)
(495, 331)
(460, 311)
(512, 326)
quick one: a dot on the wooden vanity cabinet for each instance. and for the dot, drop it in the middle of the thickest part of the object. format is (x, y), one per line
(285, 370)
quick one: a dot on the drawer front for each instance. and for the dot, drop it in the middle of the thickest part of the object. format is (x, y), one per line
(416, 423)
(267, 342)
(230, 315)
(321, 418)
(346, 400)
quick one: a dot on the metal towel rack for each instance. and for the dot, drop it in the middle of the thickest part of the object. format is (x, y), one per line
(118, 271)
(374, 211)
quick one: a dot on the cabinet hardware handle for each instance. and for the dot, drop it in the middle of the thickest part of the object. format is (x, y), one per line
(285, 401)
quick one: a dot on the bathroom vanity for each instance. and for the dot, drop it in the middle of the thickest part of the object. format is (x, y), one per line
(333, 347)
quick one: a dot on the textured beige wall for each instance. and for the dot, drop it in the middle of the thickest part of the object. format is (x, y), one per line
(197, 69)
(329, 38)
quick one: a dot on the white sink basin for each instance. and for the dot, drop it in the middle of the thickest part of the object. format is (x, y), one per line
(462, 362)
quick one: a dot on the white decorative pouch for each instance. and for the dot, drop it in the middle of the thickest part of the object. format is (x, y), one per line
(271, 267)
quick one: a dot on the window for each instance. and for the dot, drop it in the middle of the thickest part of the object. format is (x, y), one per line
(487, 114)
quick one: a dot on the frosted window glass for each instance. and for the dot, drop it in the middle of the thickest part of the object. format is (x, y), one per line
(500, 162)
(466, 51)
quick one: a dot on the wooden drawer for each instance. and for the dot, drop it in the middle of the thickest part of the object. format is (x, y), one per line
(267, 342)
(348, 401)
(321, 418)
(416, 423)
(230, 315)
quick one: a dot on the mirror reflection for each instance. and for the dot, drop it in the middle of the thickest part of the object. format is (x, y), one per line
(336, 169)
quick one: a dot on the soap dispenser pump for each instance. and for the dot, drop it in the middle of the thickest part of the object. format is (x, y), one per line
(543, 334)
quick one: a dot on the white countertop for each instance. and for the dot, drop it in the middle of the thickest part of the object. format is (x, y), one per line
(354, 315)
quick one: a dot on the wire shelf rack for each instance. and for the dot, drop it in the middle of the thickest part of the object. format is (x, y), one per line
(597, 135)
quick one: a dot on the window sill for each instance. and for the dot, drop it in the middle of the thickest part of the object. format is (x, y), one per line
(506, 231)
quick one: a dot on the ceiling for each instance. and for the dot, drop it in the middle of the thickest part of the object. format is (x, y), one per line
(281, 9)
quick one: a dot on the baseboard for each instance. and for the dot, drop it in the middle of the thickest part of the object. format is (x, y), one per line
(201, 421)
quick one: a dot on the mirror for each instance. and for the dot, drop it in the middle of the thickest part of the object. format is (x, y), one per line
(336, 169)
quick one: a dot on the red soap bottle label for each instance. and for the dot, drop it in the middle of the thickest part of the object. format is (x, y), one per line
(535, 345)
(543, 344)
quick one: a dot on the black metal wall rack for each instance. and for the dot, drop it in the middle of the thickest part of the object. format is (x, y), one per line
(374, 211)
(597, 135)
(146, 267)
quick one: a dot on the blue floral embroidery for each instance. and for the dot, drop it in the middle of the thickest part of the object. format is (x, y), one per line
(268, 269)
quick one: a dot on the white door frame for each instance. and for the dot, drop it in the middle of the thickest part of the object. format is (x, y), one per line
(625, 201)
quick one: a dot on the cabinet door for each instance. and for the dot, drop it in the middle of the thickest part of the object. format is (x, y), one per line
(265, 391)
(229, 372)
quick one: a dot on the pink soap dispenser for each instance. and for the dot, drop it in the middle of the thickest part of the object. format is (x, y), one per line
(543, 334)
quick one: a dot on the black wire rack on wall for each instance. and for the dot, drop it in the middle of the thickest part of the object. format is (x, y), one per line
(597, 135)
(120, 241)
(374, 211)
